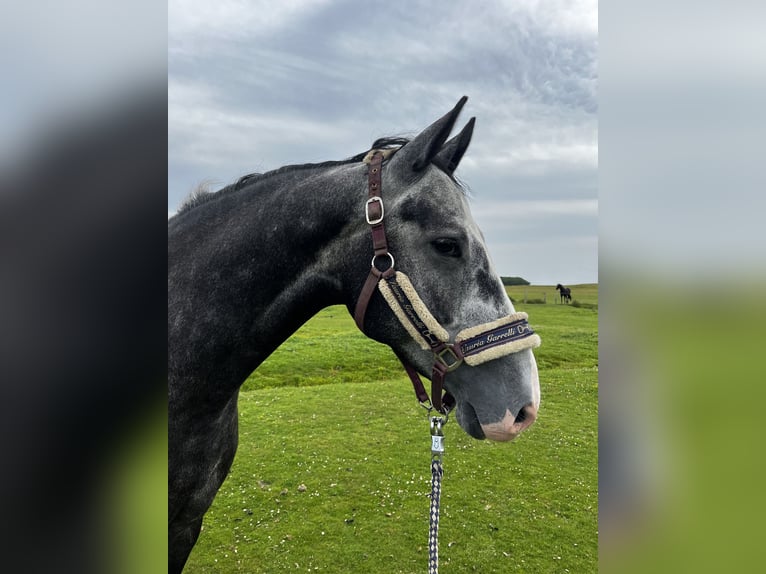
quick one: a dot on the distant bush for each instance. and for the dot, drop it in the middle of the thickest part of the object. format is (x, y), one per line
(576, 303)
(514, 281)
(529, 301)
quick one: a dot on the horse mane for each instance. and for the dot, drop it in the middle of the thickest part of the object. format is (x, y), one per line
(202, 194)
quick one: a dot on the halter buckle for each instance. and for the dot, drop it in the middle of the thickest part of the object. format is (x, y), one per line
(370, 201)
(448, 358)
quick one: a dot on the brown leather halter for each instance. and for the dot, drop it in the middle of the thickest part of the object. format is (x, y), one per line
(374, 213)
(474, 345)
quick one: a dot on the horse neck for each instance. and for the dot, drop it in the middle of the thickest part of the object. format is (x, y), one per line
(250, 267)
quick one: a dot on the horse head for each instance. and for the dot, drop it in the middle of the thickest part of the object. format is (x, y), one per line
(436, 243)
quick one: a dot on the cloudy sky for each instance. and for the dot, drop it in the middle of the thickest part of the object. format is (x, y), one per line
(254, 85)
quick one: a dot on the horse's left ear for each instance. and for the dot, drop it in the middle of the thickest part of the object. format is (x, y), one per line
(452, 152)
(418, 154)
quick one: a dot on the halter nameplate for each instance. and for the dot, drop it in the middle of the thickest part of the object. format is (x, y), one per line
(489, 341)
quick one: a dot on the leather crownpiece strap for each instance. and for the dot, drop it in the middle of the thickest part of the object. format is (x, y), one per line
(374, 212)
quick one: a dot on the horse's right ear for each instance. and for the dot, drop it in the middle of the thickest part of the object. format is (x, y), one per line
(424, 147)
(452, 152)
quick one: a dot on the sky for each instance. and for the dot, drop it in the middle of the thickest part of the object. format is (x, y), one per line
(256, 85)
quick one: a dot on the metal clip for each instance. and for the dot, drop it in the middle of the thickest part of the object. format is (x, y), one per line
(437, 437)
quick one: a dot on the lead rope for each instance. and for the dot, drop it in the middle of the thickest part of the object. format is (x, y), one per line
(437, 450)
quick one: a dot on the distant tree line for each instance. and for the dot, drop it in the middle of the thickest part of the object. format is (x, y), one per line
(514, 281)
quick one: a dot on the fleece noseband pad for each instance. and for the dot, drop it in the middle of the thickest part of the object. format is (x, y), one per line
(493, 340)
(476, 345)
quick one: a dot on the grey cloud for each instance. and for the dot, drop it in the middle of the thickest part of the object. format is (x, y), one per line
(257, 86)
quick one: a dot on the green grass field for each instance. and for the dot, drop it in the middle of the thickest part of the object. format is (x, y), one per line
(332, 472)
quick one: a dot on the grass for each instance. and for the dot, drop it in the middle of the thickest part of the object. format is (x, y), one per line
(332, 472)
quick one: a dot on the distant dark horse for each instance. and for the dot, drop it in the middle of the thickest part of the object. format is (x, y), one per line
(565, 292)
(248, 265)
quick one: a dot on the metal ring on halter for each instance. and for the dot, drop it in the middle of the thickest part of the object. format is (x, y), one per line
(390, 257)
(449, 364)
(443, 417)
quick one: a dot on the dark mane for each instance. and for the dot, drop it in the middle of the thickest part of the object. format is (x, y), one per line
(202, 195)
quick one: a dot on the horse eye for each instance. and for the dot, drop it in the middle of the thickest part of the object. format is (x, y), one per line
(448, 247)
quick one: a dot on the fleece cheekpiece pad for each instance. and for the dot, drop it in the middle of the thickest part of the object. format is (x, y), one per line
(411, 311)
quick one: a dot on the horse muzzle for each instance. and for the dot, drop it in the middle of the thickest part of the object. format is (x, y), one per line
(504, 430)
(510, 427)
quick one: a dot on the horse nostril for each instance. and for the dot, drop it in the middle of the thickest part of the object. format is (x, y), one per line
(527, 415)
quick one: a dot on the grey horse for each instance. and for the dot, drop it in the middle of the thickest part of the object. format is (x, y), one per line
(249, 264)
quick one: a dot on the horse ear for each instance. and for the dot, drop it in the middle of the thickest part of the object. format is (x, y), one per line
(417, 155)
(452, 152)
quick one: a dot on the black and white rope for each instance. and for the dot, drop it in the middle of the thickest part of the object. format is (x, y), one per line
(433, 530)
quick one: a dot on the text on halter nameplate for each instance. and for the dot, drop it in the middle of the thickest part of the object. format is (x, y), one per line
(505, 334)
